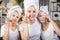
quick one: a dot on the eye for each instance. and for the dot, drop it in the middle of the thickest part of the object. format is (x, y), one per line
(34, 11)
(29, 11)
(13, 15)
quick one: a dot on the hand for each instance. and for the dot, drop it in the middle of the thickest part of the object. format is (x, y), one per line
(26, 19)
(7, 22)
(48, 17)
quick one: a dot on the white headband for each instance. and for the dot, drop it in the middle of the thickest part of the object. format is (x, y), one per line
(44, 9)
(28, 3)
(14, 8)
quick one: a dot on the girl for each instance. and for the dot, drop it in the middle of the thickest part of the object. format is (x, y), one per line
(9, 30)
(30, 28)
(49, 27)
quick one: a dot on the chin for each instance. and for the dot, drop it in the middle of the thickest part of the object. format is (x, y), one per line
(42, 22)
(32, 18)
(13, 22)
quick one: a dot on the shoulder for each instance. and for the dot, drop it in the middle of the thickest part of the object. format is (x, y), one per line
(3, 26)
(3, 29)
(21, 26)
(37, 22)
(51, 26)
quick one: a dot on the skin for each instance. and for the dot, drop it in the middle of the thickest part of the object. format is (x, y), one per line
(28, 20)
(43, 17)
(11, 24)
(43, 20)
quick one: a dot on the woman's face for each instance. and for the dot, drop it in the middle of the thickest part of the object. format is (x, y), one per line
(32, 12)
(42, 17)
(15, 17)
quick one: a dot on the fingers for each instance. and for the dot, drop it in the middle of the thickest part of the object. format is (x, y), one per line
(26, 19)
(7, 22)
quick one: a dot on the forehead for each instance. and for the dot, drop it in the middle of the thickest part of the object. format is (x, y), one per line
(32, 7)
(15, 13)
(42, 13)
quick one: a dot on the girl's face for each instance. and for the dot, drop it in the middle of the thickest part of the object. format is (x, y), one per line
(15, 17)
(42, 17)
(32, 12)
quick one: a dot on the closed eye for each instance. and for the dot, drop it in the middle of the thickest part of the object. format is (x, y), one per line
(13, 15)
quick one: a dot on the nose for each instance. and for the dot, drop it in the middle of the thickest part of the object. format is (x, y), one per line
(32, 13)
(43, 16)
(15, 18)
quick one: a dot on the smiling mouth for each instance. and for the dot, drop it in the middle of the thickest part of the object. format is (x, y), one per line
(32, 16)
(12, 20)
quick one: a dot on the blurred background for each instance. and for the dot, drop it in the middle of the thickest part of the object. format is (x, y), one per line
(53, 6)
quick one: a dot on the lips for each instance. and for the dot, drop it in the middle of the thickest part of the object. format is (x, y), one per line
(13, 20)
(10, 20)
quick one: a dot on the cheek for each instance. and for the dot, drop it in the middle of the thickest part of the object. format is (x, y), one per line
(33, 15)
(41, 19)
(17, 19)
(11, 17)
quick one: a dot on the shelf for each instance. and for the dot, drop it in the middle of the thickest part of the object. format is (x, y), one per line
(54, 11)
(55, 7)
(3, 14)
(55, 2)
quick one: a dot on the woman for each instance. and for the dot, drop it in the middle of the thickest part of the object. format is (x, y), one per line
(9, 31)
(49, 28)
(30, 28)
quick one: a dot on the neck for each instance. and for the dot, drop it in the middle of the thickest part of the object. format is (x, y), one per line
(44, 26)
(13, 25)
(32, 21)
